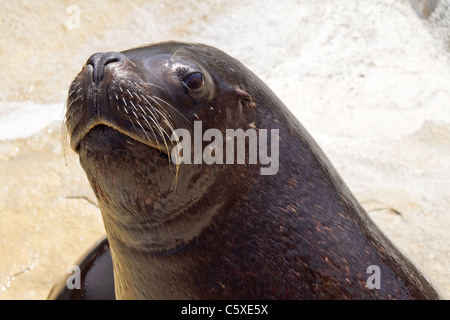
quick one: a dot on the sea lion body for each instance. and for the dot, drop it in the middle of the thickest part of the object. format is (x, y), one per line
(218, 231)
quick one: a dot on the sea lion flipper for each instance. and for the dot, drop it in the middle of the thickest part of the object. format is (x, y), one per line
(96, 276)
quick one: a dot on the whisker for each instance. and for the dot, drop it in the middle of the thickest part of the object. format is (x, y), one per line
(73, 100)
(175, 53)
(161, 131)
(157, 126)
(71, 92)
(155, 85)
(65, 133)
(150, 126)
(131, 96)
(134, 114)
(145, 132)
(132, 123)
(150, 103)
(173, 133)
(71, 112)
(166, 121)
(168, 104)
(131, 62)
(137, 96)
(134, 106)
(165, 143)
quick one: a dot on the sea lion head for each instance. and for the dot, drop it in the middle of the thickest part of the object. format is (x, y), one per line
(122, 110)
(145, 93)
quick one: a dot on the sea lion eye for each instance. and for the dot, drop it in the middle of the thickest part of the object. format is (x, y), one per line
(194, 82)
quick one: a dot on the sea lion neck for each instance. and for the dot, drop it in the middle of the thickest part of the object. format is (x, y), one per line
(143, 195)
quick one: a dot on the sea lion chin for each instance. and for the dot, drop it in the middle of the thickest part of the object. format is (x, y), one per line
(218, 231)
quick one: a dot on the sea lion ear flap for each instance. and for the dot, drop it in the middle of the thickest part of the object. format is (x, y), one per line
(245, 98)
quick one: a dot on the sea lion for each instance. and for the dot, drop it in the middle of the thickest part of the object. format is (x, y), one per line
(219, 231)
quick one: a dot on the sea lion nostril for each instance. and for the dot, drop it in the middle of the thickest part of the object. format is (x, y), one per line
(99, 60)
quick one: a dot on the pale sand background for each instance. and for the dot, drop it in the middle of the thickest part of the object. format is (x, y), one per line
(370, 79)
